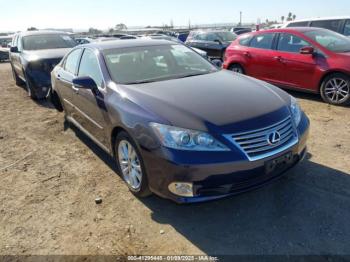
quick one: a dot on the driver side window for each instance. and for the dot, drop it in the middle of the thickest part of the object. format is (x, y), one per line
(90, 67)
(291, 43)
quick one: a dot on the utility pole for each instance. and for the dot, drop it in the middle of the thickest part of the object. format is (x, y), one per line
(240, 18)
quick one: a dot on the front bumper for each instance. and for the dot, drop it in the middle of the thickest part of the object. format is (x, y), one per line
(213, 179)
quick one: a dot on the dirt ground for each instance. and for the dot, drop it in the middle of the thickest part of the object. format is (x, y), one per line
(51, 175)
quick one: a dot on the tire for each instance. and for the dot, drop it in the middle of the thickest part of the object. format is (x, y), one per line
(56, 101)
(30, 89)
(335, 89)
(135, 177)
(18, 81)
(236, 68)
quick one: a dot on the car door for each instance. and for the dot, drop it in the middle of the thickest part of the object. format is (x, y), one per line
(261, 59)
(64, 79)
(15, 58)
(90, 110)
(299, 68)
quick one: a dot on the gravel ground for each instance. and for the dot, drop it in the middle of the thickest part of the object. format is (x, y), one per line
(51, 175)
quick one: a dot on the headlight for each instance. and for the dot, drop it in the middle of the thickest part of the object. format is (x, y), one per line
(185, 139)
(296, 111)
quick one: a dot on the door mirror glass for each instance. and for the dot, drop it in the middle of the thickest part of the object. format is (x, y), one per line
(218, 41)
(84, 82)
(14, 49)
(307, 50)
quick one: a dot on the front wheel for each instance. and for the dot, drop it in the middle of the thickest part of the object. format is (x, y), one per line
(18, 81)
(130, 165)
(236, 68)
(335, 89)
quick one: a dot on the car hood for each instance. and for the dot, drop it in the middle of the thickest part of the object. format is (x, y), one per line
(45, 54)
(217, 100)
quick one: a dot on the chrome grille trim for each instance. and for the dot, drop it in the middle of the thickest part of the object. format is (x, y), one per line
(255, 145)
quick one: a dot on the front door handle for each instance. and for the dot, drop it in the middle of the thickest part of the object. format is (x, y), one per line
(247, 54)
(76, 90)
(278, 58)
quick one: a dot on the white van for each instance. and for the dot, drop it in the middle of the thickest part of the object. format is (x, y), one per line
(338, 24)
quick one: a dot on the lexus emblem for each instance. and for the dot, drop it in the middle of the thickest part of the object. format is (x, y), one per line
(274, 138)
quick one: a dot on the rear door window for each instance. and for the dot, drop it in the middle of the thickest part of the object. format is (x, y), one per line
(262, 41)
(333, 25)
(347, 28)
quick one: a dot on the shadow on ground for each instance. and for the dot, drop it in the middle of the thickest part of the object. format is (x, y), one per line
(304, 213)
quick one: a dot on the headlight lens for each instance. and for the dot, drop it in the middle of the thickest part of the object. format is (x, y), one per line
(296, 111)
(185, 139)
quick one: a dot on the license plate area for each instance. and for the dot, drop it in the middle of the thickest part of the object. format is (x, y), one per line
(278, 163)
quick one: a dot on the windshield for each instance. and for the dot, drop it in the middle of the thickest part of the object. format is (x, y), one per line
(52, 41)
(155, 63)
(226, 36)
(332, 41)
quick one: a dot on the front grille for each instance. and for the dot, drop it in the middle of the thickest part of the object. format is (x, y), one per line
(256, 145)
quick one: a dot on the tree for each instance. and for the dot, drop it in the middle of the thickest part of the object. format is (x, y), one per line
(120, 27)
(32, 29)
(289, 16)
(111, 30)
(282, 18)
(294, 17)
(94, 31)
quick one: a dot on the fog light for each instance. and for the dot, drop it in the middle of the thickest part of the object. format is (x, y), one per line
(181, 189)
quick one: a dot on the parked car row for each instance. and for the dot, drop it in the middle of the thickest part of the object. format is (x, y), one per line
(303, 58)
(175, 124)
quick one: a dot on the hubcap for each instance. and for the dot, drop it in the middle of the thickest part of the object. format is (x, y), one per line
(337, 90)
(130, 164)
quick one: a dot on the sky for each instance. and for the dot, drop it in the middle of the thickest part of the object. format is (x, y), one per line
(104, 14)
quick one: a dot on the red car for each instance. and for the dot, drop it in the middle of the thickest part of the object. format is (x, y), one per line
(307, 59)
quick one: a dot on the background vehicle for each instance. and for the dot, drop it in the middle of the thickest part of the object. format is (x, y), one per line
(303, 58)
(175, 124)
(4, 47)
(241, 30)
(176, 40)
(337, 24)
(212, 42)
(33, 55)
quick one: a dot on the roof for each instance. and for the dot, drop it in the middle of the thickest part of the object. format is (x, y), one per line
(42, 32)
(127, 43)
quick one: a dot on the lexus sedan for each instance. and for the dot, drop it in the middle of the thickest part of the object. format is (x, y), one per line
(175, 124)
(303, 58)
(33, 56)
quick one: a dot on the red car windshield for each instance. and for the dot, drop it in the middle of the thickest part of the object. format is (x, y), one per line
(332, 41)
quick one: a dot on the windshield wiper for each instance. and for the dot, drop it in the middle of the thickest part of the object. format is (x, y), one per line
(193, 74)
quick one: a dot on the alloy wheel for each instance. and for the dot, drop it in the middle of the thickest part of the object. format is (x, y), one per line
(130, 165)
(337, 90)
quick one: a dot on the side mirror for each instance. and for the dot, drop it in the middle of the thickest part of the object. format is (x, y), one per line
(85, 82)
(307, 50)
(14, 49)
(218, 41)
